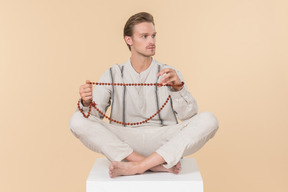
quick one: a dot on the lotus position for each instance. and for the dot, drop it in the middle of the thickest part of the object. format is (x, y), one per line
(147, 100)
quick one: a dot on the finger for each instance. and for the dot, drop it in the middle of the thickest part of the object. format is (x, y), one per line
(85, 86)
(88, 82)
(174, 81)
(87, 90)
(166, 78)
(83, 95)
(163, 71)
(170, 74)
(87, 94)
(87, 98)
(164, 81)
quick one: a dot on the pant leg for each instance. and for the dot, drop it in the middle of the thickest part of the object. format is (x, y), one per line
(95, 135)
(193, 134)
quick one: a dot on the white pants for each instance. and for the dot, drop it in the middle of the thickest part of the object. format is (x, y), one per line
(171, 142)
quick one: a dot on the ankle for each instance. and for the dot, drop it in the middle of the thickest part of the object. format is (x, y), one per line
(140, 167)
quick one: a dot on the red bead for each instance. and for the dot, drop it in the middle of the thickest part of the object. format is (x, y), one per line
(122, 84)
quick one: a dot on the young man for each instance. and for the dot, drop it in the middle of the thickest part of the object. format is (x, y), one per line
(157, 144)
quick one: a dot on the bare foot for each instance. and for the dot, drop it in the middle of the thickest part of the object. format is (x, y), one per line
(117, 168)
(175, 169)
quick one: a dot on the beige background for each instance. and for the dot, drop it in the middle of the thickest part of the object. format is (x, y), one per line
(232, 54)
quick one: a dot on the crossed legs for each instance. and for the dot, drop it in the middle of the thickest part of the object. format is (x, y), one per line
(192, 136)
(187, 139)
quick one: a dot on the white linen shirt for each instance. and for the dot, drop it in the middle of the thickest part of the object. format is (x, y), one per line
(137, 103)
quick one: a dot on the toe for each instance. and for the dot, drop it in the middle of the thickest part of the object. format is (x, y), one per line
(111, 167)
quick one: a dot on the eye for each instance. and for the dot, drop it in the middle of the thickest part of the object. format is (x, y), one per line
(153, 36)
(144, 36)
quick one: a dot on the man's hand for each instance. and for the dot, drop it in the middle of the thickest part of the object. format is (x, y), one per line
(170, 77)
(85, 92)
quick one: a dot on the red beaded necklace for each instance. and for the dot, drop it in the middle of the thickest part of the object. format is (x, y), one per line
(93, 104)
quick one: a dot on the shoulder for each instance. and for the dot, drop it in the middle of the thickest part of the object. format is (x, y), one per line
(111, 72)
(114, 69)
(119, 67)
(117, 70)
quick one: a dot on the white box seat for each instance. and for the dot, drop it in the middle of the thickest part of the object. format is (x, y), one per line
(188, 180)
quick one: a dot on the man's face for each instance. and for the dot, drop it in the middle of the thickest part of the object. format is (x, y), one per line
(143, 40)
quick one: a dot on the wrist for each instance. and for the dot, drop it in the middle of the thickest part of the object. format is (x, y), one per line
(177, 88)
(85, 104)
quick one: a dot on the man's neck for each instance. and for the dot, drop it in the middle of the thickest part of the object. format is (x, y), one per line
(140, 64)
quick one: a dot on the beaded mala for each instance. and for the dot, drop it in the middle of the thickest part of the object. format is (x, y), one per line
(93, 104)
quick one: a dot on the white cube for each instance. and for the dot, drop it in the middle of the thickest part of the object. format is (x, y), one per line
(188, 180)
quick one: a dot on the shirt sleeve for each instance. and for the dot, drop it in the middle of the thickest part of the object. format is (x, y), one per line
(183, 103)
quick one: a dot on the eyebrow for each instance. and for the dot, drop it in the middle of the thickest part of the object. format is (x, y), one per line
(148, 33)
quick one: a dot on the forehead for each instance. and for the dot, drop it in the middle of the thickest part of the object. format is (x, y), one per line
(145, 27)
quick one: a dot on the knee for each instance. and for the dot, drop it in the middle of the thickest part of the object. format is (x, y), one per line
(210, 120)
(76, 122)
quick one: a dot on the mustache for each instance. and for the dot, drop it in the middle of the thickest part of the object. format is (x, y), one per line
(151, 46)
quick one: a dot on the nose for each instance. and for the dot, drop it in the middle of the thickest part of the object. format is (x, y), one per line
(152, 40)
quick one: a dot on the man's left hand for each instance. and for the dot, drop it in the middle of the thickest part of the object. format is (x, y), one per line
(170, 77)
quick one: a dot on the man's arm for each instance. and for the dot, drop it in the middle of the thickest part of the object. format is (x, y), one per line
(184, 105)
(101, 95)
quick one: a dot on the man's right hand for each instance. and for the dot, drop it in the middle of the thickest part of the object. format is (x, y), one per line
(85, 92)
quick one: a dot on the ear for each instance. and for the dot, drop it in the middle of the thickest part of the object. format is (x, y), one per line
(128, 40)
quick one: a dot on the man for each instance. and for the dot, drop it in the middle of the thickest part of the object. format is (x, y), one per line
(157, 144)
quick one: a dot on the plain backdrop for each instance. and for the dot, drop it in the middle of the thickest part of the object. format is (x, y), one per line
(232, 54)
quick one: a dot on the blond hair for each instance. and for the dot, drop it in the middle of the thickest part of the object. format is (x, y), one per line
(136, 19)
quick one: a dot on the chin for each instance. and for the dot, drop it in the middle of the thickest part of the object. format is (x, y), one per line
(151, 54)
